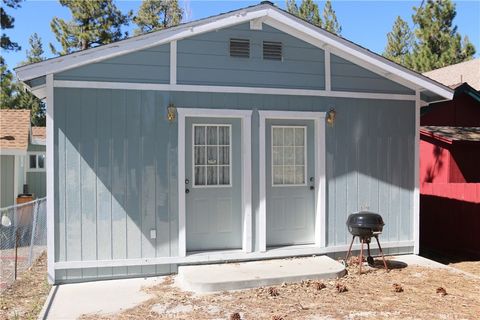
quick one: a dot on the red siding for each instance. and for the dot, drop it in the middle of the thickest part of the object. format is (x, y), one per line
(463, 111)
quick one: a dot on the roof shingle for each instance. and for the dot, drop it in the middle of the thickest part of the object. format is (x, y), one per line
(14, 129)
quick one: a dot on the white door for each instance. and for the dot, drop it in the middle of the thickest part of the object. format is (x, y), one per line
(290, 194)
(213, 184)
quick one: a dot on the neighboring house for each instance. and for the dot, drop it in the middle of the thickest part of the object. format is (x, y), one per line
(468, 71)
(22, 156)
(248, 135)
(449, 172)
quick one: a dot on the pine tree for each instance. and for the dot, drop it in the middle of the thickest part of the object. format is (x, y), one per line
(93, 23)
(292, 7)
(330, 22)
(35, 53)
(438, 42)
(8, 88)
(399, 42)
(309, 11)
(7, 22)
(25, 99)
(157, 14)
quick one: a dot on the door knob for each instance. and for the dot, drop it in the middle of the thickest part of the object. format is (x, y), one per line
(312, 188)
(187, 181)
(187, 190)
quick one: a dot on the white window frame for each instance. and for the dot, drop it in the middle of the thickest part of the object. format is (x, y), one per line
(206, 186)
(37, 169)
(305, 182)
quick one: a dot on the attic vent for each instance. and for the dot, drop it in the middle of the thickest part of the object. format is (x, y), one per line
(272, 50)
(240, 48)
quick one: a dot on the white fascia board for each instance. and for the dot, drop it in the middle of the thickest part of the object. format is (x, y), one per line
(356, 51)
(12, 152)
(108, 51)
(229, 89)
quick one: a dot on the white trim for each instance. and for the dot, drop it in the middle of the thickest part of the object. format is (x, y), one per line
(245, 116)
(328, 75)
(229, 89)
(39, 141)
(303, 30)
(269, 14)
(12, 152)
(256, 24)
(15, 177)
(416, 176)
(133, 44)
(222, 256)
(50, 180)
(320, 199)
(173, 62)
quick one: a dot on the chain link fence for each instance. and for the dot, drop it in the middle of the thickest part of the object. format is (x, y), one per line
(23, 238)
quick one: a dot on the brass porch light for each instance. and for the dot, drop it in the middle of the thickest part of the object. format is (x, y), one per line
(331, 115)
(171, 112)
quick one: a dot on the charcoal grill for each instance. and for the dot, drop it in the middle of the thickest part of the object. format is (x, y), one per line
(365, 225)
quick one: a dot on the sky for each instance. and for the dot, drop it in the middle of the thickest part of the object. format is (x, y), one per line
(363, 22)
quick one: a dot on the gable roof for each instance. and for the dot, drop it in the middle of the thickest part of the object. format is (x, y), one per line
(468, 71)
(14, 129)
(266, 13)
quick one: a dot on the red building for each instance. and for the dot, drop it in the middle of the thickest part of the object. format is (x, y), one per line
(450, 175)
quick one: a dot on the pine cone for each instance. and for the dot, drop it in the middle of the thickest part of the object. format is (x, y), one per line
(273, 291)
(441, 291)
(341, 288)
(235, 316)
(397, 287)
(319, 285)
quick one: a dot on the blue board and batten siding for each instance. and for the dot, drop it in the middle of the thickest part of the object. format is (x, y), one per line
(116, 159)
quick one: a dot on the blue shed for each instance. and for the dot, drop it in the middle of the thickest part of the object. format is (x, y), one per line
(247, 135)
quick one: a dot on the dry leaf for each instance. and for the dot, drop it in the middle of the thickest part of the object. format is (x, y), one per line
(319, 285)
(235, 316)
(341, 288)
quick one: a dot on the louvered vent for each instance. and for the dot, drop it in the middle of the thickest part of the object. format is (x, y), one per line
(272, 50)
(240, 48)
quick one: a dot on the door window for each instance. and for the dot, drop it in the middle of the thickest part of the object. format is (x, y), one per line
(211, 155)
(288, 155)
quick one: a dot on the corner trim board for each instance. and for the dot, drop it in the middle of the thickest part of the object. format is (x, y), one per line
(50, 180)
(228, 89)
(416, 176)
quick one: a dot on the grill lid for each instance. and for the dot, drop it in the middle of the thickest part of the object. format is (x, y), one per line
(365, 219)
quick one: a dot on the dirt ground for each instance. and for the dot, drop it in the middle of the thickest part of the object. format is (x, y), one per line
(472, 267)
(403, 293)
(25, 298)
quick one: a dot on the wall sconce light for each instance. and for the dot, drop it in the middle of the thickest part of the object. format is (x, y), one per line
(171, 112)
(331, 117)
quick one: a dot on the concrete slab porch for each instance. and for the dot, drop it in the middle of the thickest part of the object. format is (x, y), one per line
(244, 275)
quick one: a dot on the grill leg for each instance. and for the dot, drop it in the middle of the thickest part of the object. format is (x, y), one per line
(349, 251)
(360, 262)
(381, 251)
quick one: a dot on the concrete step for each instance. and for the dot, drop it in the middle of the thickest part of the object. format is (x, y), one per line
(244, 275)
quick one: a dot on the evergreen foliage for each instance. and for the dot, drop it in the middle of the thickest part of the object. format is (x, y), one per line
(308, 11)
(157, 14)
(438, 42)
(330, 22)
(93, 23)
(399, 42)
(7, 22)
(435, 42)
